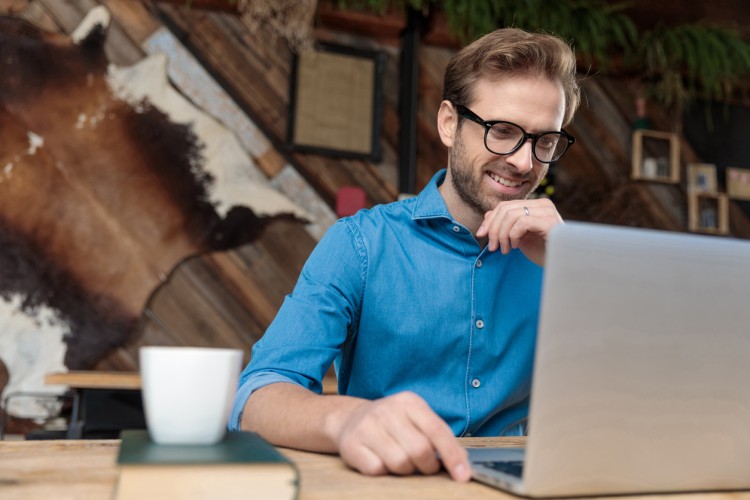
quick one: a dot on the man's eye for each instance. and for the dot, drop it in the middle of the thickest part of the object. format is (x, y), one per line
(547, 142)
(504, 132)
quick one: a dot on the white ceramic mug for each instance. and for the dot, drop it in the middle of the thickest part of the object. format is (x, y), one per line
(188, 392)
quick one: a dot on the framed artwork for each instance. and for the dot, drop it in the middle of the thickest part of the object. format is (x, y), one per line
(656, 156)
(701, 178)
(335, 102)
(738, 183)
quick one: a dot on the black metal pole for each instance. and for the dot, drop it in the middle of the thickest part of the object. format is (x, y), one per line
(407, 157)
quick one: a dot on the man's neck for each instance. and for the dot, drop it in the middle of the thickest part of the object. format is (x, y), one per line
(457, 208)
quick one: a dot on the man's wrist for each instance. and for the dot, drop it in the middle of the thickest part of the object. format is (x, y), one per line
(335, 420)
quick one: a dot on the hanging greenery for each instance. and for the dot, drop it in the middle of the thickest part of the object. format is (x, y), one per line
(677, 64)
(681, 63)
(595, 28)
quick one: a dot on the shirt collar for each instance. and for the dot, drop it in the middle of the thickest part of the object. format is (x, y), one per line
(430, 203)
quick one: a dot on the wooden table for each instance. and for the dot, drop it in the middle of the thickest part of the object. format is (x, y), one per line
(128, 380)
(86, 470)
(95, 379)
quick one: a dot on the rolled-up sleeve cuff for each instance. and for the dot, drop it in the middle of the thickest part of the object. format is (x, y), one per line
(253, 383)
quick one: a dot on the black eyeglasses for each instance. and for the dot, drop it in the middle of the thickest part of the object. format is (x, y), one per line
(504, 138)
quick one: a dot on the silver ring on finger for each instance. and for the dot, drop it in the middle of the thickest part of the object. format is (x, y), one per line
(526, 210)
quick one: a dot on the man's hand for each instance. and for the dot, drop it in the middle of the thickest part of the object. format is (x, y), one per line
(522, 224)
(399, 434)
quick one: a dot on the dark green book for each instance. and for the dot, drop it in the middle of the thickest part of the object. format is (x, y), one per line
(242, 465)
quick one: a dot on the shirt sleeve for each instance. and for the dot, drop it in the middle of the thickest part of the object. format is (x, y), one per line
(314, 321)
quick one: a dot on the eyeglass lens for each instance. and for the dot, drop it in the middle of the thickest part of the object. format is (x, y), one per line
(503, 138)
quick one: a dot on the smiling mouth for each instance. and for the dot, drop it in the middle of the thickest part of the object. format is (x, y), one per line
(504, 181)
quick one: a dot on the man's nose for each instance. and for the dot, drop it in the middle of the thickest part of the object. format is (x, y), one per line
(523, 158)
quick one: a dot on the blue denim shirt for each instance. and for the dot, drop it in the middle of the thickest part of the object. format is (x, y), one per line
(401, 297)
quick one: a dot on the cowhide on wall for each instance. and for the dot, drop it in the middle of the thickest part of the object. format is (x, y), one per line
(101, 195)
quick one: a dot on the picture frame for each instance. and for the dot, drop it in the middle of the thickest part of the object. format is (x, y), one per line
(655, 156)
(335, 102)
(738, 183)
(701, 178)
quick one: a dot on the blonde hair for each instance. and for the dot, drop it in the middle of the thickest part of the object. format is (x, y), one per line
(511, 52)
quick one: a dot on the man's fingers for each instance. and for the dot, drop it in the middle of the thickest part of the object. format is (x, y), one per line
(392, 442)
(401, 434)
(398, 460)
(512, 225)
(364, 460)
(453, 455)
(497, 224)
(455, 458)
(420, 450)
(507, 224)
(367, 450)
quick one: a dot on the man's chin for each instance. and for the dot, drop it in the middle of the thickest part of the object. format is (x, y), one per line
(501, 197)
(497, 193)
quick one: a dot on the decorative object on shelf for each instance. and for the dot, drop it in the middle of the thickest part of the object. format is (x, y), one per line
(656, 156)
(708, 213)
(335, 103)
(738, 183)
(701, 178)
(641, 116)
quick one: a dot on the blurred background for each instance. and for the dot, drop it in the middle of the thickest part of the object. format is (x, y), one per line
(166, 167)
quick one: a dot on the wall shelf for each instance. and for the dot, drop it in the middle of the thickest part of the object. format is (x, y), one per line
(656, 156)
(708, 213)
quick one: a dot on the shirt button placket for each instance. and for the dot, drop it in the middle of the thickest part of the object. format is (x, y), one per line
(479, 324)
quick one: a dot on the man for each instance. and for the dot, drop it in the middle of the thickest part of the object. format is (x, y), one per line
(430, 328)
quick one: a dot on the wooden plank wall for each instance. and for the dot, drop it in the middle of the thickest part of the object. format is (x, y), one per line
(229, 298)
(594, 177)
(221, 299)
(255, 68)
(666, 204)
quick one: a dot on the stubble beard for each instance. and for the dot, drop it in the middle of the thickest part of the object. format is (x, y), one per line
(468, 184)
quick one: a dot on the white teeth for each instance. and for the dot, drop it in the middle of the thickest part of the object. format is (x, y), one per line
(504, 182)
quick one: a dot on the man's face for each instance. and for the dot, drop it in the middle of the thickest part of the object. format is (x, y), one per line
(483, 179)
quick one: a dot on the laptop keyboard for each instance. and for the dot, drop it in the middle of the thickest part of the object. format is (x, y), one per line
(512, 467)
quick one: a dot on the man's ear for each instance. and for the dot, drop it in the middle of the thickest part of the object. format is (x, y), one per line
(447, 123)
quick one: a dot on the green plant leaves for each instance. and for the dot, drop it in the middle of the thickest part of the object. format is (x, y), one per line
(687, 61)
(677, 63)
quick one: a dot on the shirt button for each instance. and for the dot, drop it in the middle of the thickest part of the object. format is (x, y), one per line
(479, 323)
(475, 383)
(456, 229)
(479, 262)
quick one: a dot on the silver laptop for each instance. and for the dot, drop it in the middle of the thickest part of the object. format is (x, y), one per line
(642, 372)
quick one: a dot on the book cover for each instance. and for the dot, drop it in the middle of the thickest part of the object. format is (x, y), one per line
(242, 465)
